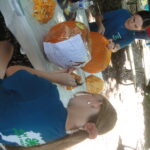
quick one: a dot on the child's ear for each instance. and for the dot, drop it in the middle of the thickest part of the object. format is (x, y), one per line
(91, 129)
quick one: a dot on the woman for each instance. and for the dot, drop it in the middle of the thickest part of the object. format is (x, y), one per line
(32, 114)
(120, 26)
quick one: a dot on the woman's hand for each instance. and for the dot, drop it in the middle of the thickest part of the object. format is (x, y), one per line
(113, 46)
(64, 77)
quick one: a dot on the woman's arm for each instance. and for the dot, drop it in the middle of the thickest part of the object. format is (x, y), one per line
(101, 28)
(96, 13)
(62, 77)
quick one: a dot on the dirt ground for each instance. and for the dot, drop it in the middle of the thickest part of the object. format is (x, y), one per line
(119, 75)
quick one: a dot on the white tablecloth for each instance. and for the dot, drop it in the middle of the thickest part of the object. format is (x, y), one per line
(30, 34)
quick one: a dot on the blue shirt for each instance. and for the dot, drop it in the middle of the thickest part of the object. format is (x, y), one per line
(115, 29)
(142, 35)
(31, 112)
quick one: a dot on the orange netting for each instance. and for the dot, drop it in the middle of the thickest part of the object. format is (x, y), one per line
(94, 84)
(43, 10)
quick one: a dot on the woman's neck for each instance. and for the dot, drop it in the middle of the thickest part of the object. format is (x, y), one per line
(71, 120)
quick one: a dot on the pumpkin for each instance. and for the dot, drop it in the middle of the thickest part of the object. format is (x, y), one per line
(61, 33)
(94, 84)
(65, 30)
(100, 54)
(77, 78)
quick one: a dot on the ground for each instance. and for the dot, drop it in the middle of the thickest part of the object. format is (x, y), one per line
(125, 88)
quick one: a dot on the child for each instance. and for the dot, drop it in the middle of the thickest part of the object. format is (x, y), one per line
(120, 26)
(31, 112)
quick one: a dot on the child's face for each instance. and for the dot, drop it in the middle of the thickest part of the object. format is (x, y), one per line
(88, 104)
(134, 23)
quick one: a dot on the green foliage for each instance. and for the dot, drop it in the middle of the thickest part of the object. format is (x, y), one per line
(144, 2)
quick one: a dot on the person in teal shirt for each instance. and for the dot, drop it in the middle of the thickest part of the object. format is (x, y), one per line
(120, 26)
(32, 114)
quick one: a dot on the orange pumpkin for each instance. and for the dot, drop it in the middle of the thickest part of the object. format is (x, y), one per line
(65, 30)
(100, 54)
(94, 84)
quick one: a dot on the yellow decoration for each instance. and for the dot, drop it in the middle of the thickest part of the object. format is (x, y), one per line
(81, 26)
(94, 84)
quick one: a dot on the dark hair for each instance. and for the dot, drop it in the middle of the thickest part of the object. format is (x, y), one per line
(146, 18)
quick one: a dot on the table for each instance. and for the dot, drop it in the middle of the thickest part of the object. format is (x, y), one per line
(30, 34)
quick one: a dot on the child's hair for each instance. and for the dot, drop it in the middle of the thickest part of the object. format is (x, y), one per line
(104, 120)
(146, 18)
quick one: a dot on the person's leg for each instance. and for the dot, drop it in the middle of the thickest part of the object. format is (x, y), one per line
(93, 27)
(6, 52)
(6, 48)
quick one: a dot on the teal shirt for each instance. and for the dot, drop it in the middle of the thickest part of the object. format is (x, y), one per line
(31, 112)
(115, 29)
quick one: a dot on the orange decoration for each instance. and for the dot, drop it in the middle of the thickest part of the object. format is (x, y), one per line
(43, 10)
(65, 30)
(94, 84)
(100, 54)
(77, 78)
